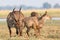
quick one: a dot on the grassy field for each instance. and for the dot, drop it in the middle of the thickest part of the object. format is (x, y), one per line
(51, 12)
(50, 31)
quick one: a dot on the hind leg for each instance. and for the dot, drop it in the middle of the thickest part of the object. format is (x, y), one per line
(28, 29)
(20, 31)
(38, 28)
(9, 31)
(36, 31)
(17, 31)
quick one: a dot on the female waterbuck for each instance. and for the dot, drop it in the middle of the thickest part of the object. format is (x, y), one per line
(35, 23)
(14, 19)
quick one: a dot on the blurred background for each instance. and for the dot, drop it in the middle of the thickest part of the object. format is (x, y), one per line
(29, 4)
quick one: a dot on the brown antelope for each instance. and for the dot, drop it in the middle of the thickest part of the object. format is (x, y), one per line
(43, 19)
(14, 19)
(29, 22)
(35, 23)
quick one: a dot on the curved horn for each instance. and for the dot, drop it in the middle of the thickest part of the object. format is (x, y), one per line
(13, 9)
(20, 9)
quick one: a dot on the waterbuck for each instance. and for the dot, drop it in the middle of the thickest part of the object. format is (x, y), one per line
(35, 23)
(14, 19)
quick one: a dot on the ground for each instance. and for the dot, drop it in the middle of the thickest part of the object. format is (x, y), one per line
(50, 31)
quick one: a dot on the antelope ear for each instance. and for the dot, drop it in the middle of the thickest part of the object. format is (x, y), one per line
(13, 9)
(20, 9)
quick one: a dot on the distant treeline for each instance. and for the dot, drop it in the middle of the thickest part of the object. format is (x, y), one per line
(46, 5)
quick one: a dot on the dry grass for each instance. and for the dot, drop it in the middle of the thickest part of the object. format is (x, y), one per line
(51, 12)
(48, 32)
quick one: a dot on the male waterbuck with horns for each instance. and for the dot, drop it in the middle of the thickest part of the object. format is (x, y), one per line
(35, 23)
(14, 19)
